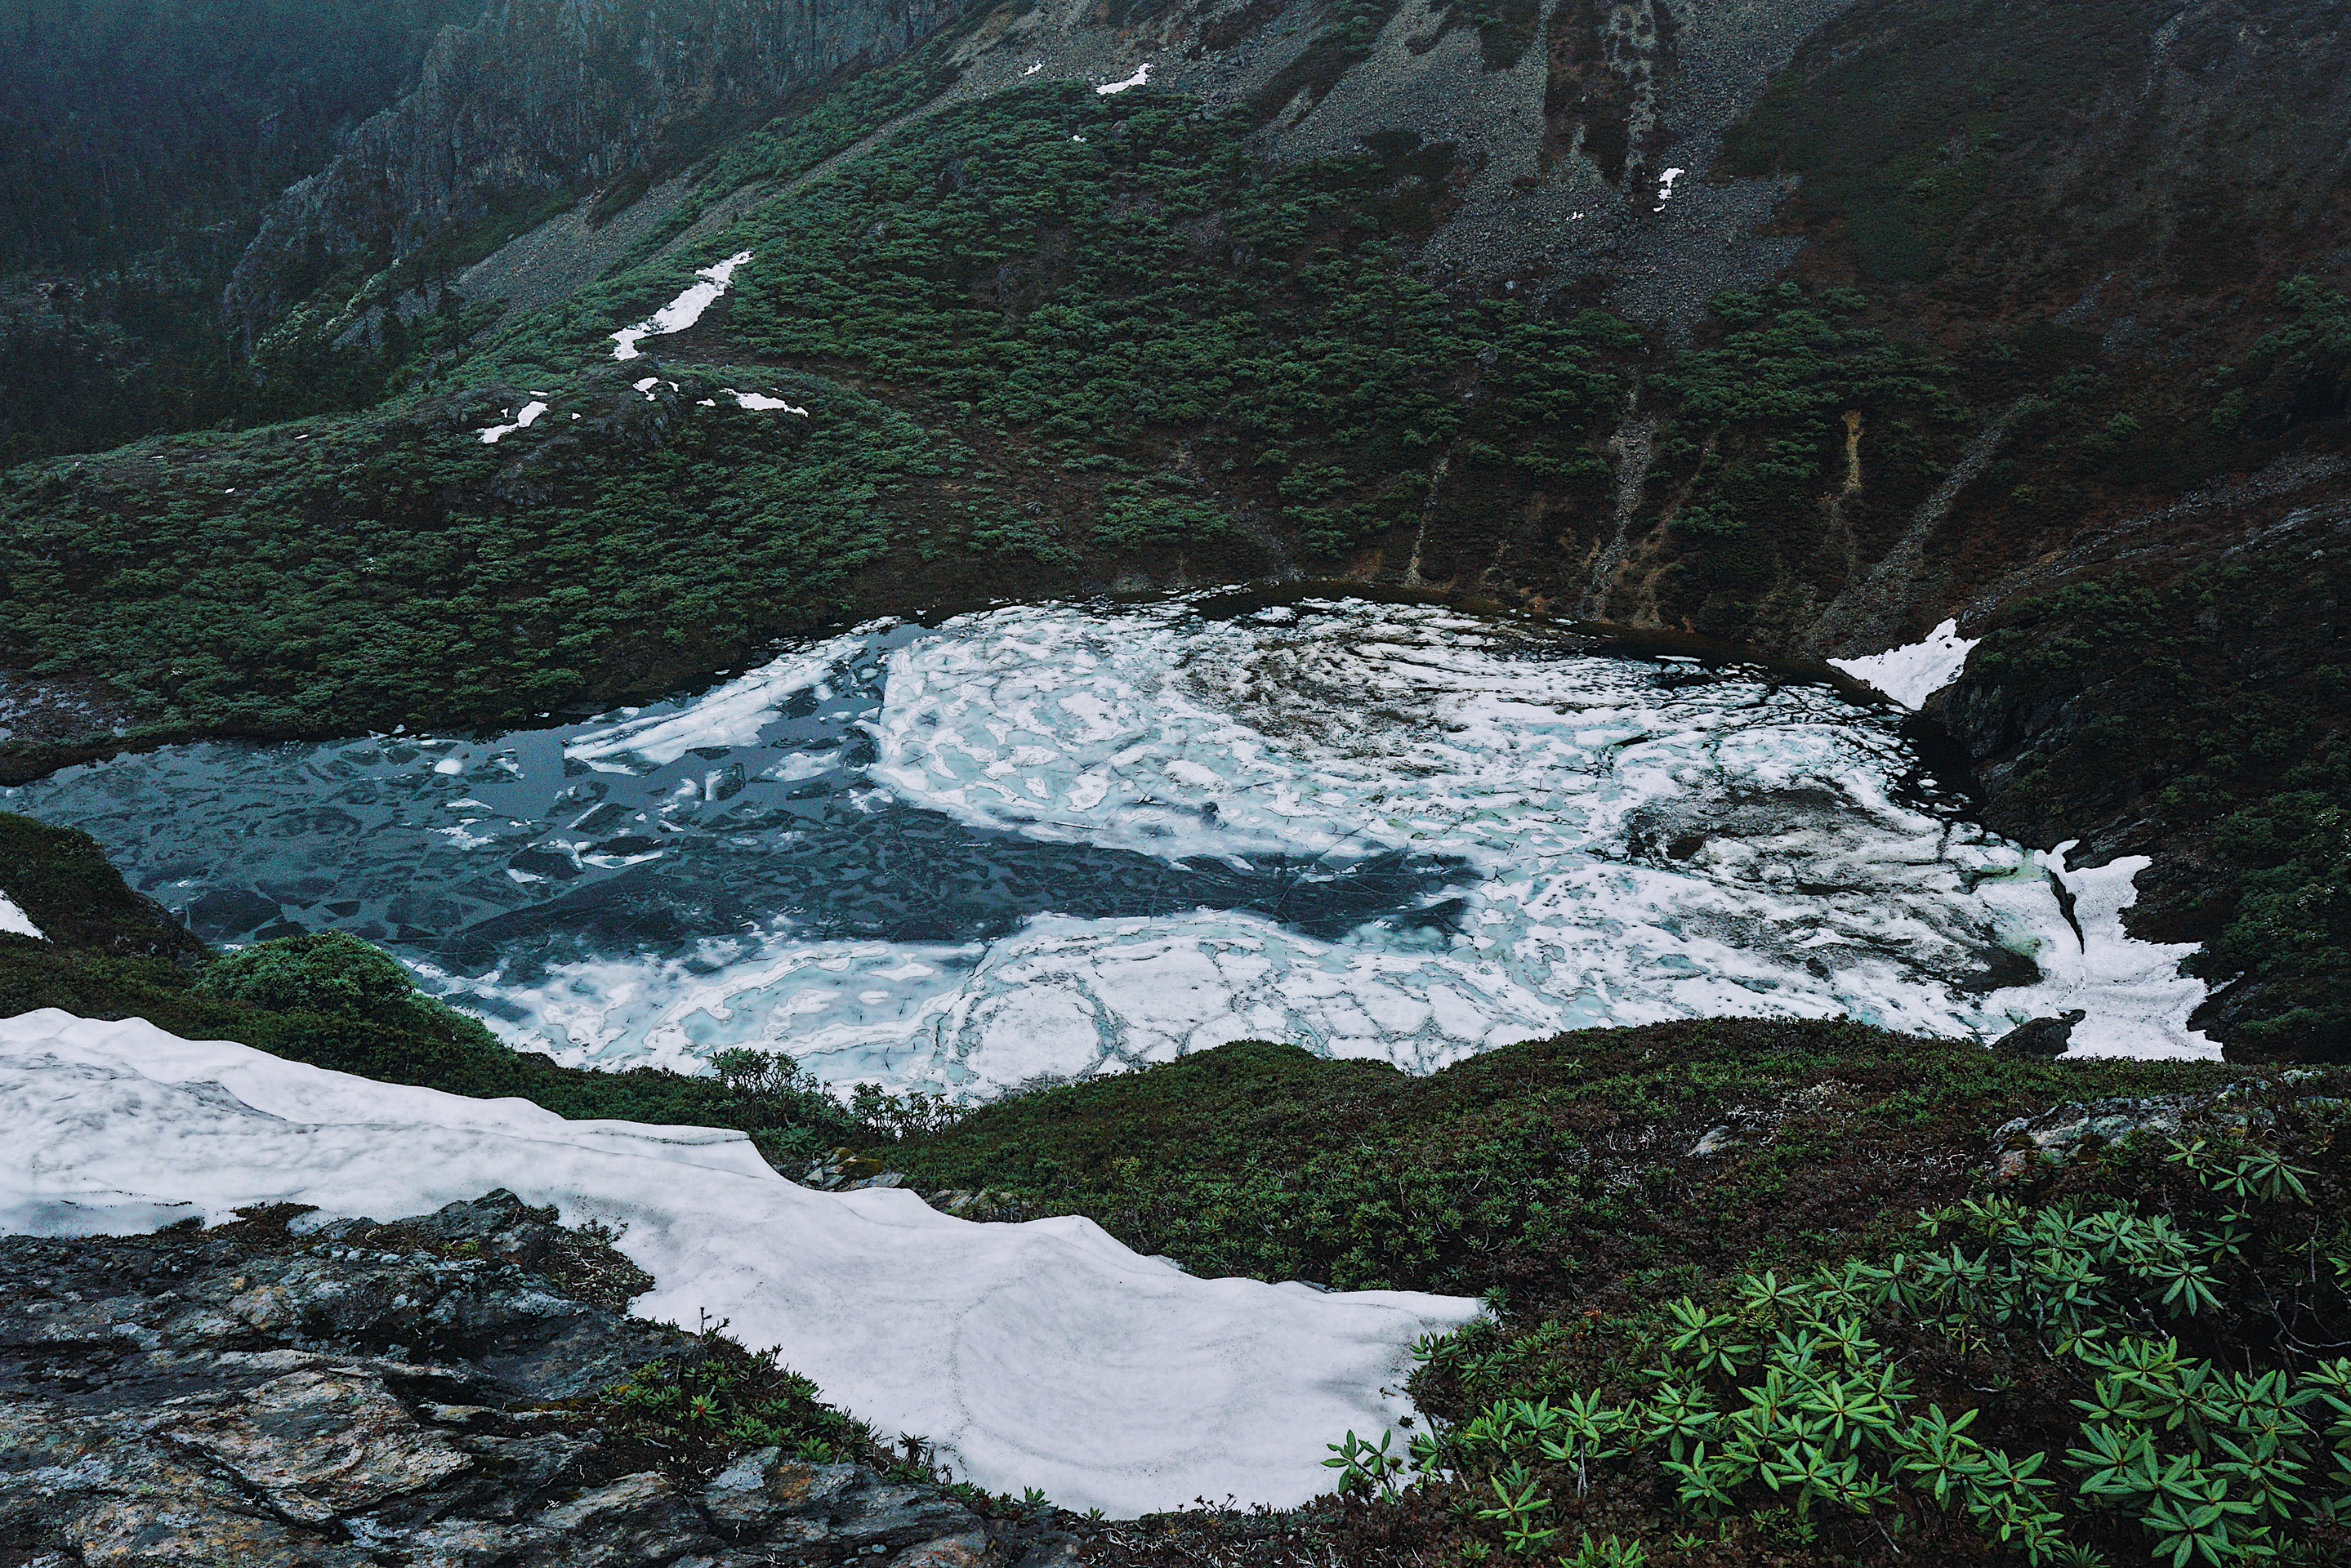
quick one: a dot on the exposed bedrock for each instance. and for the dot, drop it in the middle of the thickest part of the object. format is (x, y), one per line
(421, 1392)
(545, 98)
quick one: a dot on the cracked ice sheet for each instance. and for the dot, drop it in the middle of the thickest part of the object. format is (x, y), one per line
(1640, 843)
(1042, 1354)
(1910, 675)
(681, 312)
(733, 715)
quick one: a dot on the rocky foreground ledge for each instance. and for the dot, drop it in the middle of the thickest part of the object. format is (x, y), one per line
(435, 1391)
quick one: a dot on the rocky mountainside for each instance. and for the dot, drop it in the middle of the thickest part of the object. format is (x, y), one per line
(141, 145)
(537, 104)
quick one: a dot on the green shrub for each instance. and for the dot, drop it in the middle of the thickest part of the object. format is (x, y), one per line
(2154, 1373)
(324, 971)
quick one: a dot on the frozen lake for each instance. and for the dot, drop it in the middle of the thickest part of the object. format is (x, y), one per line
(1055, 839)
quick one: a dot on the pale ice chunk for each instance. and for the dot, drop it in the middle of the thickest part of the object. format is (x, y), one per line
(15, 922)
(681, 312)
(1042, 1354)
(1911, 675)
(450, 765)
(1141, 77)
(522, 421)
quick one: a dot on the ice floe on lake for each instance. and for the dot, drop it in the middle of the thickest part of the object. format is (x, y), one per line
(1064, 839)
(681, 312)
(1043, 1354)
(1912, 674)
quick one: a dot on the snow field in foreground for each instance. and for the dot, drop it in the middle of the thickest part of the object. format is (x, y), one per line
(1637, 841)
(1042, 1354)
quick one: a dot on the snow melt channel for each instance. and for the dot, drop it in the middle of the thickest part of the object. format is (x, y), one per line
(681, 312)
(1042, 1354)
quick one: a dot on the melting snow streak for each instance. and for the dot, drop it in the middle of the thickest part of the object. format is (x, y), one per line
(681, 312)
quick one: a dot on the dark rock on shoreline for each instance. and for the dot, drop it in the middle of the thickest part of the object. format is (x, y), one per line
(417, 1392)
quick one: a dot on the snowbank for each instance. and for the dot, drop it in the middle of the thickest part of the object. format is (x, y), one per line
(1142, 77)
(1911, 675)
(681, 312)
(761, 402)
(522, 421)
(1037, 1354)
(15, 922)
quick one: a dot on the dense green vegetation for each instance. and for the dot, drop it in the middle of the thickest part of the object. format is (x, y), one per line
(1118, 286)
(1013, 345)
(1555, 1176)
(365, 572)
(1906, 142)
(140, 143)
(2139, 1363)
(1793, 399)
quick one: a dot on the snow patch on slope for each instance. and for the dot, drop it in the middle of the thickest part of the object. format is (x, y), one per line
(15, 922)
(1042, 1354)
(681, 312)
(522, 421)
(1911, 675)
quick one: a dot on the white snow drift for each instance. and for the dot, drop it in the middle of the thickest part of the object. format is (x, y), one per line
(522, 421)
(1910, 675)
(681, 312)
(1037, 1354)
(15, 922)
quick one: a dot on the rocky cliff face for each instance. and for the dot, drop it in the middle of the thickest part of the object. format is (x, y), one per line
(547, 99)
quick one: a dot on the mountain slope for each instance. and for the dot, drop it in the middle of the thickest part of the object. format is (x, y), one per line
(140, 145)
(1939, 314)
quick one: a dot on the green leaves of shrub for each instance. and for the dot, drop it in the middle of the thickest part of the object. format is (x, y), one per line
(1792, 1398)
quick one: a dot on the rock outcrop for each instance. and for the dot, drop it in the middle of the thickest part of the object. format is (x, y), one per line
(415, 1393)
(546, 99)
